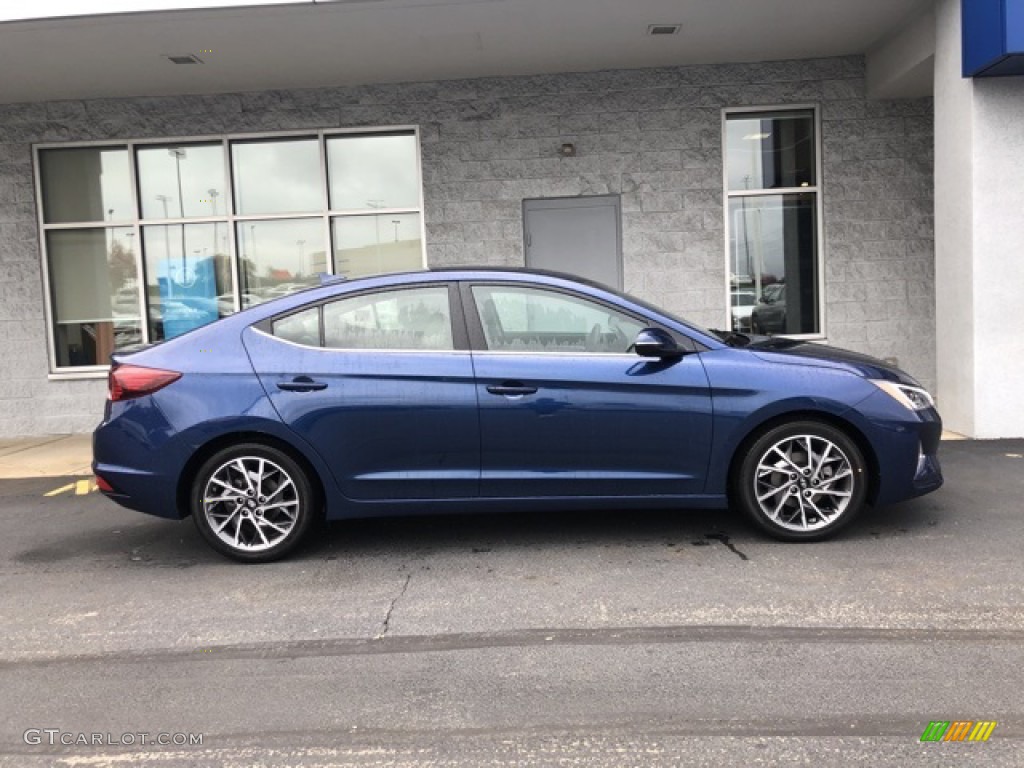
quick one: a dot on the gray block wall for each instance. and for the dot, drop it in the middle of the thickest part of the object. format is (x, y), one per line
(652, 136)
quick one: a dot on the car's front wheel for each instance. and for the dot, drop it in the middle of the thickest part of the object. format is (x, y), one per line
(802, 481)
(252, 502)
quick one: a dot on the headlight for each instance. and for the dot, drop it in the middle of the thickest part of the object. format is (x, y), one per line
(914, 398)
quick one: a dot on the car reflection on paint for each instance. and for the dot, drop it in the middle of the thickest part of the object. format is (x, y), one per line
(480, 390)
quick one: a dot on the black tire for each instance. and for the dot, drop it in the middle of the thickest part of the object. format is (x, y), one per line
(823, 502)
(291, 501)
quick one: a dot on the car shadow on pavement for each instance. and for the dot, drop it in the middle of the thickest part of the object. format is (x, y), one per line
(109, 537)
(535, 531)
(447, 534)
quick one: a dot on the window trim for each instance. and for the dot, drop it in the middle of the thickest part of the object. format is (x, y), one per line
(819, 208)
(229, 218)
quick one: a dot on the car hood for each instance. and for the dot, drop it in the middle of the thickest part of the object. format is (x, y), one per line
(794, 352)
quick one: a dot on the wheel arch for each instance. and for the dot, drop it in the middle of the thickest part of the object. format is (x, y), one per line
(844, 425)
(209, 448)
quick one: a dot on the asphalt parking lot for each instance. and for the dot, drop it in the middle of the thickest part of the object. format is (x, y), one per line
(633, 639)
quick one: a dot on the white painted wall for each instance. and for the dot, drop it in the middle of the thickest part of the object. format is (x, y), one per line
(999, 256)
(979, 241)
(954, 220)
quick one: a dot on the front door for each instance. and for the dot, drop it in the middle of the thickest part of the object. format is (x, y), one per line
(566, 410)
(383, 392)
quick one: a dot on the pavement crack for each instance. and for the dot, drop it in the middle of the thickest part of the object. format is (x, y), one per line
(391, 608)
(724, 538)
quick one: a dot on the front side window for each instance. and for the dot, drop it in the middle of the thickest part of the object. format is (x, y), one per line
(410, 318)
(516, 318)
(773, 220)
(144, 241)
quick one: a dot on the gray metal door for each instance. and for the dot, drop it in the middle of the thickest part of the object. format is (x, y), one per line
(578, 235)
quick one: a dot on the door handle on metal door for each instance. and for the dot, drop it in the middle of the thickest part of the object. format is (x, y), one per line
(301, 384)
(511, 389)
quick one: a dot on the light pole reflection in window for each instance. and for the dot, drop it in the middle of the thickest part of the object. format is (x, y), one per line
(185, 279)
(376, 225)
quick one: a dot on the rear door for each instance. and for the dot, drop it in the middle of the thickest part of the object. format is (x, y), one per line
(381, 384)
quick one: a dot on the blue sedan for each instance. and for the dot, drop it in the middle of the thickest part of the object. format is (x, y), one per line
(483, 390)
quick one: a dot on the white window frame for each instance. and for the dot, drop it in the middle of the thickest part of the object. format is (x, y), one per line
(816, 188)
(229, 218)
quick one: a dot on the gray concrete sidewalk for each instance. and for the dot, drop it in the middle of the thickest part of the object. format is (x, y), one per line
(47, 456)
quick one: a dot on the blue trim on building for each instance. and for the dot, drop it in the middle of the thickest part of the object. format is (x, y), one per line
(993, 37)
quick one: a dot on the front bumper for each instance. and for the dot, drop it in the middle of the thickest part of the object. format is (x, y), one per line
(906, 446)
(929, 474)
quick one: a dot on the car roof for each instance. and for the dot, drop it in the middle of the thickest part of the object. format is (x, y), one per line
(447, 273)
(520, 271)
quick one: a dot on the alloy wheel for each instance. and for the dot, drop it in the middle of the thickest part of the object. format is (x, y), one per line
(804, 482)
(251, 503)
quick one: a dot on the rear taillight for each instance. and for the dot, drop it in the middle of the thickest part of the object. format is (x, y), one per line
(128, 381)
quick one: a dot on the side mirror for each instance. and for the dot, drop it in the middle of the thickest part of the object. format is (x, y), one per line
(654, 342)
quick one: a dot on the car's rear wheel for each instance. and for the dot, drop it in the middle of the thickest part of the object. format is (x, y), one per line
(802, 481)
(252, 502)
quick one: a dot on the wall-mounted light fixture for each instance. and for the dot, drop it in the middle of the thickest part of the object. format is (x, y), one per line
(567, 150)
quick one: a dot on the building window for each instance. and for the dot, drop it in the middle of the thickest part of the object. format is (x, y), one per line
(773, 226)
(145, 240)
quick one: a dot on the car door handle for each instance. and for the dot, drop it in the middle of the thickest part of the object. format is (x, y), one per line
(302, 384)
(511, 389)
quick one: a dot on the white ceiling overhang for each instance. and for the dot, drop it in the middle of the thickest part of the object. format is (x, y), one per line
(350, 42)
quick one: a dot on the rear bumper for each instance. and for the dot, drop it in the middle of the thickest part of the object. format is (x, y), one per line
(139, 460)
(150, 493)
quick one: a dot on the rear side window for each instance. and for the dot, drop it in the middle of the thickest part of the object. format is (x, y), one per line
(300, 328)
(408, 318)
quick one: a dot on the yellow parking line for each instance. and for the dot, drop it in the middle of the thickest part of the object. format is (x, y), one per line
(79, 488)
